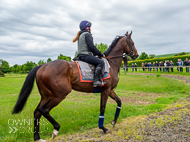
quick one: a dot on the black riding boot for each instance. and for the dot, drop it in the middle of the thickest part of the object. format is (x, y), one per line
(97, 81)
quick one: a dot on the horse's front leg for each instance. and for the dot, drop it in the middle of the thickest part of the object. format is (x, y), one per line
(118, 108)
(104, 98)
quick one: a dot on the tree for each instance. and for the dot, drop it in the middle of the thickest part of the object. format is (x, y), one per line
(23, 68)
(13, 69)
(179, 54)
(5, 66)
(41, 62)
(49, 60)
(64, 57)
(29, 66)
(16, 65)
(76, 53)
(1, 74)
(151, 56)
(143, 56)
(1, 64)
(16, 68)
(102, 47)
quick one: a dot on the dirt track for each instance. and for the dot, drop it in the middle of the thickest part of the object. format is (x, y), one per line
(172, 124)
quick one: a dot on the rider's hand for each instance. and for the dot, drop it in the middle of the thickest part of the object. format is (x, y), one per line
(104, 56)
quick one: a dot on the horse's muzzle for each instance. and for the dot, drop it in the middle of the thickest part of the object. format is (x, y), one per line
(134, 56)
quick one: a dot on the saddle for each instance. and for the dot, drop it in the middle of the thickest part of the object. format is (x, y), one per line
(86, 71)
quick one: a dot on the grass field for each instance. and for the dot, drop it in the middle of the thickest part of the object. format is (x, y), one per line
(140, 95)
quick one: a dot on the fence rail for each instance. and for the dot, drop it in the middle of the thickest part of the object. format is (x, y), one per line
(160, 69)
(14, 75)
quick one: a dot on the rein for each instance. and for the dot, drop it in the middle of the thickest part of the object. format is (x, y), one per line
(114, 64)
(111, 57)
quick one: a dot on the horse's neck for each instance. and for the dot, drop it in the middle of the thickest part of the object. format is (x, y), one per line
(116, 51)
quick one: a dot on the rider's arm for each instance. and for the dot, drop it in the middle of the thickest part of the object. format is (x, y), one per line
(91, 46)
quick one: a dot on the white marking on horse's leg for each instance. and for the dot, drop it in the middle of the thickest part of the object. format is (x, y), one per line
(54, 133)
(41, 140)
(113, 123)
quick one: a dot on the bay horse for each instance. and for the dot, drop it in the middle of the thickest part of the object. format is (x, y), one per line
(56, 79)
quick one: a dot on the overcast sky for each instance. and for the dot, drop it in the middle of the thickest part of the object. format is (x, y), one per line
(33, 30)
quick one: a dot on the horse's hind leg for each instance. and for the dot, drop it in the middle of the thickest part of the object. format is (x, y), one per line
(46, 108)
(48, 101)
(117, 99)
(60, 91)
(37, 116)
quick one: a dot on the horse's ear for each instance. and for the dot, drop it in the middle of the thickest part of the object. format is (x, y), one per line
(130, 34)
(126, 33)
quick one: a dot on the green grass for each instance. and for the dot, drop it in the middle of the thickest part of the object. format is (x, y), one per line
(151, 84)
(80, 112)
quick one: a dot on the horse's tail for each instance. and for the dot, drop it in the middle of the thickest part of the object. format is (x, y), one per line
(26, 90)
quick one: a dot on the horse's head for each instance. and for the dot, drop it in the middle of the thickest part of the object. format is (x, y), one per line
(129, 47)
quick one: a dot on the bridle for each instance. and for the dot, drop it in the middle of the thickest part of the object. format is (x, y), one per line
(130, 48)
(131, 53)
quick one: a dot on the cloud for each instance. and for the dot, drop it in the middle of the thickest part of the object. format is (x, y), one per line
(37, 30)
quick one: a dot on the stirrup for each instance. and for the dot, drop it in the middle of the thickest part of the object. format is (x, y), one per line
(96, 85)
(103, 83)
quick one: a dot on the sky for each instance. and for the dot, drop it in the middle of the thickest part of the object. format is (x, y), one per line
(33, 30)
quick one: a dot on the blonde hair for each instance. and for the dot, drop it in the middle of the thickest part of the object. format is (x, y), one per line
(77, 37)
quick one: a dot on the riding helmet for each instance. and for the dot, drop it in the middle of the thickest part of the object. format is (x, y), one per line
(84, 24)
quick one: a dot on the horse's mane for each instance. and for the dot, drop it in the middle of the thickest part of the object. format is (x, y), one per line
(114, 42)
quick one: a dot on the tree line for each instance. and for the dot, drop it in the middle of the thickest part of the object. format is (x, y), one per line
(29, 65)
(5, 67)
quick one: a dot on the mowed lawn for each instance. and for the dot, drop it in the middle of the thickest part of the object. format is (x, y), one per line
(140, 95)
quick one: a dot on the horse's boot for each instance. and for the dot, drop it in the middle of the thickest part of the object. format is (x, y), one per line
(97, 81)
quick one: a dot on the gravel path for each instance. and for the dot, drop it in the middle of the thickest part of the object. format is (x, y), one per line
(170, 125)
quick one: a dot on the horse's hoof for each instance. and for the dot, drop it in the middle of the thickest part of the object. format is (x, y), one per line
(106, 131)
(113, 123)
(54, 133)
(40, 140)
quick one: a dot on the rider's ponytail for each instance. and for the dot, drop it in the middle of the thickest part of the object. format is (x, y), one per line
(77, 37)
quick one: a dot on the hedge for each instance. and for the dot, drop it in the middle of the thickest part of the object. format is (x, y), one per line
(174, 59)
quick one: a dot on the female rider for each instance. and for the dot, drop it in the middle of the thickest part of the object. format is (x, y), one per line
(87, 50)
